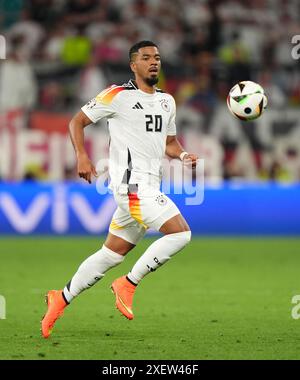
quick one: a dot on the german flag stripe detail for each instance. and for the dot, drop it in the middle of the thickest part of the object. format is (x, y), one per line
(107, 95)
(115, 226)
(135, 208)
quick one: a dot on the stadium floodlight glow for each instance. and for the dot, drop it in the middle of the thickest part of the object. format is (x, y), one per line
(2, 47)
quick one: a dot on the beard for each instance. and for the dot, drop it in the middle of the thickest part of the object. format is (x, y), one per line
(151, 81)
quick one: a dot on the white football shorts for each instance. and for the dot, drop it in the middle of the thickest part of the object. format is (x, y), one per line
(139, 210)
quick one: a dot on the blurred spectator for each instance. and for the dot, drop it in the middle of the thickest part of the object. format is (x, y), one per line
(31, 31)
(204, 98)
(42, 12)
(107, 51)
(77, 49)
(276, 97)
(236, 56)
(53, 47)
(141, 13)
(18, 87)
(193, 45)
(214, 38)
(92, 81)
(82, 12)
(225, 128)
(196, 14)
(52, 97)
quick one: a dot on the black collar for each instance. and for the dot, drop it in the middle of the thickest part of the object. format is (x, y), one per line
(132, 82)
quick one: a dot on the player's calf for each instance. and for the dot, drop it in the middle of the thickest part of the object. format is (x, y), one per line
(91, 271)
(158, 254)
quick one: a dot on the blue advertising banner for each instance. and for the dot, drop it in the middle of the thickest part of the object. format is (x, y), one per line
(73, 208)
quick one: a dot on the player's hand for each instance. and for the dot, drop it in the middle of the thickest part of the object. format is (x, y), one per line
(85, 168)
(191, 158)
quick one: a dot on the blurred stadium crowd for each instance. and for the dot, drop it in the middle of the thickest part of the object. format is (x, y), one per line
(61, 53)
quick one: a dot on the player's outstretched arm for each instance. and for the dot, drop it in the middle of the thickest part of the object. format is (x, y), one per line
(85, 167)
(175, 150)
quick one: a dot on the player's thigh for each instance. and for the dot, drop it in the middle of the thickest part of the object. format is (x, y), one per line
(124, 231)
(175, 224)
(159, 211)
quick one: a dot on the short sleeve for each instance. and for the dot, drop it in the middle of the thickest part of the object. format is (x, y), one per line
(171, 131)
(103, 105)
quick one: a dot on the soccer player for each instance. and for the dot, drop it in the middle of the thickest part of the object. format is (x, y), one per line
(141, 122)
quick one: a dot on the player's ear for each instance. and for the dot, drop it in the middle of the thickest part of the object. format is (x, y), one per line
(133, 66)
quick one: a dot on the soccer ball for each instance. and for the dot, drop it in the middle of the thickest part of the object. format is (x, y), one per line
(247, 100)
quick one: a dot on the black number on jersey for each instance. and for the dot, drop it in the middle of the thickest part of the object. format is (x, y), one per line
(156, 120)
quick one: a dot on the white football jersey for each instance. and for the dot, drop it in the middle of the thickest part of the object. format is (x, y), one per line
(138, 124)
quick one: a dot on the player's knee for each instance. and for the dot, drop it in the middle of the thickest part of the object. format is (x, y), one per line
(186, 236)
(183, 238)
(118, 244)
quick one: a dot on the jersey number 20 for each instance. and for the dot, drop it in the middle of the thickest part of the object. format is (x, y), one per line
(153, 120)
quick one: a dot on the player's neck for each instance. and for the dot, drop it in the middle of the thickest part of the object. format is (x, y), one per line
(144, 86)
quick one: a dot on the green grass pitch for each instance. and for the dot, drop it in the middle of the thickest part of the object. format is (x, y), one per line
(217, 299)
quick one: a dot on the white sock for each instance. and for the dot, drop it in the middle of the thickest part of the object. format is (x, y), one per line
(157, 254)
(91, 271)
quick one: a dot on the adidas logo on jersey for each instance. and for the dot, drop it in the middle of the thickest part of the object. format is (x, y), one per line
(138, 106)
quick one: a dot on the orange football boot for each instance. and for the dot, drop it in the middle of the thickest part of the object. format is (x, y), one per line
(56, 304)
(124, 292)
